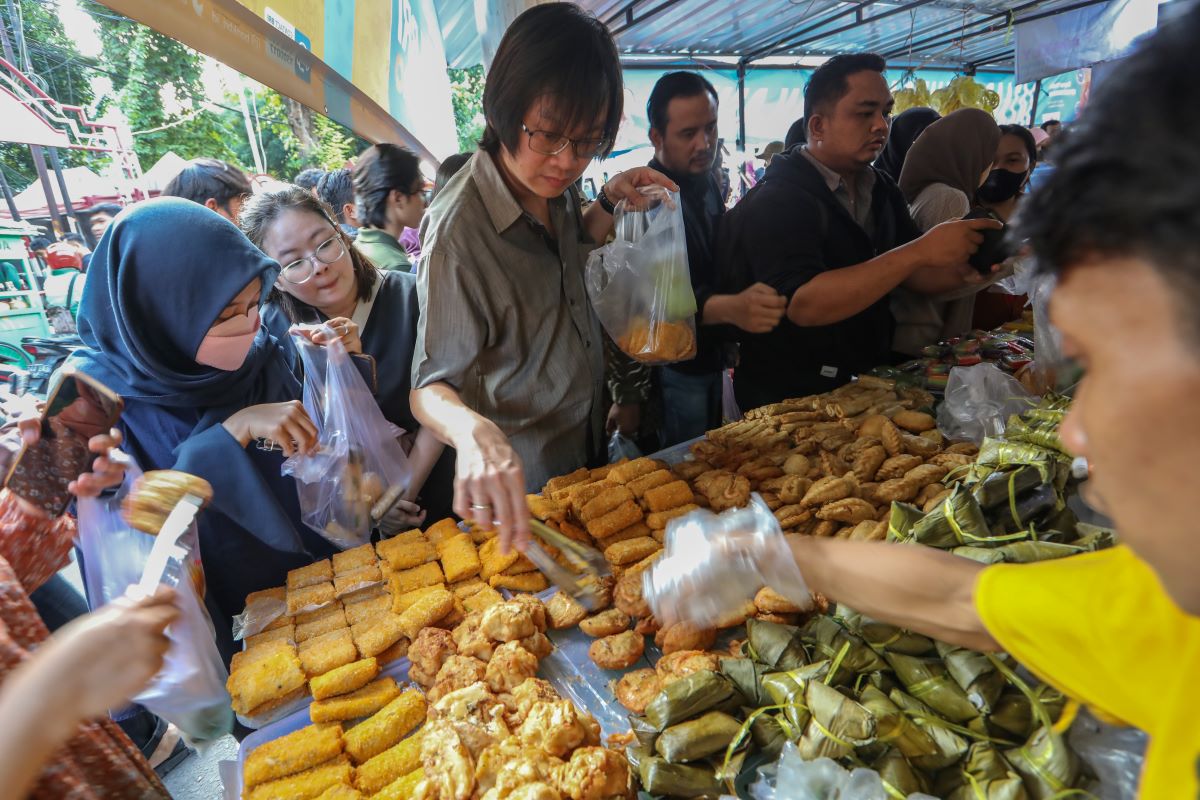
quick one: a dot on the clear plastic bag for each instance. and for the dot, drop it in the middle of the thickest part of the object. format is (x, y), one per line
(620, 446)
(189, 690)
(1115, 755)
(979, 401)
(359, 470)
(640, 284)
(793, 778)
(713, 564)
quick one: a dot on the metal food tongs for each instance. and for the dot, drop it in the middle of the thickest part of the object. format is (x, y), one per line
(583, 584)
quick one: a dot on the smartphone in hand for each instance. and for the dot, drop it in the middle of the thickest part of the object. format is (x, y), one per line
(78, 408)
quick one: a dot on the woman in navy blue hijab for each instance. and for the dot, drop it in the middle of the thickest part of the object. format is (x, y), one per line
(170, 320)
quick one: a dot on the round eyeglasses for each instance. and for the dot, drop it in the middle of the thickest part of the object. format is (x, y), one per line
(549, 143)
(327, 252)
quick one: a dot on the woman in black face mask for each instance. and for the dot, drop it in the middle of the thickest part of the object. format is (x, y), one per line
(1005, 184)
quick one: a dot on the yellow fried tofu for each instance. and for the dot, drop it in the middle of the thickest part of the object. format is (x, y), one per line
(409, 579)
(492, 562)
(406, 553)
(341, 792)
(456, 615)
(403, 602)
(482, 600)
(394, 653)
(459, 557)
(295, 752)
(466, 588)
(356, 579)
(344, 679)
(310, 598)
(273, 671)
(390, 765)
(284, 633)
(319, 572)
(387, 727)
(402, 788)
(321, 622)
(328, 651)
(425, 612)
(480, 535)
(545, 508)
(362, 702)
(526, 582)
(306, 785)
(405, 538)
(355, 558)
(631, 550)
(369, 608)
(523, 564)
(378, 634)
(441, 530)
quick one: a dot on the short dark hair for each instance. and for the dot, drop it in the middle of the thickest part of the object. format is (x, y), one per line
(111, 209)
(203, 178)
(264, 208)
(1050, 122)
(380, 170)
(1022, 133)
(447, 170)
(336, 189)
(828, 83)
(670, 86)
(73, 237)
(39, 243)
(796, 134)
(560, 51)
(308, 178)
(1105, 198)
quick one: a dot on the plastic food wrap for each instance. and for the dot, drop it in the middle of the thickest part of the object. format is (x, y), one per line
(640, 284)
(979, 399)
(359, 469)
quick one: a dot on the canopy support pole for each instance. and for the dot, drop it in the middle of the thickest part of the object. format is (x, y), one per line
(741, 76)
(9, 199)
(56, 165)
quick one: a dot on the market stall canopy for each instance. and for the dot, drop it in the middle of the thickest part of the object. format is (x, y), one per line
(157, 177)
(85, 187)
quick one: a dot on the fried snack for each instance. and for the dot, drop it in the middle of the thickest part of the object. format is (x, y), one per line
(389, 766)
(520, 566)
(636, 689)
(593, 773)
(952, 460)
(406, 553)
(425, 575)
(507, 622)
(634, 531)
(914, 421)
(387, 727)
(628, 596)
(510, 666)
(404, 788)
(467, 587)
(627, 552)
(318, 572)
(457, 673)
(658, 520)
(668, 496)
(826, 528)
(732, 491)
(155, 495)
(652, 480)
(545, 508)
(377, 634)
(557, 727)
(295, 752)
(737, 617)
(690, 470)
(426, 611)
(963, 448)
(273, 672)
(606, 623)
(340, 791)
(685, 636)
(633, 469)
(344, 679)
(563, 481)
(310, 598)
(308, 784)
(369, 608)
(867, 463)
(459, 557)
(321, 622)
(430, 649)
(492, 563)
(779, 619)
(769, 601)
(405, 601)
(269, 602)
(354, 558)
(482, 600)
(356, 579)
(441, 530)
(287, 633)
(850, 511)
(616, 520)
(826, 490)
(564, 611)
(896, 466)
(673, 666)
(617, 652)
(925, 474)
(362, 702)
(889, 434)
(531, 582)
(320, 654)
(792, 516)
(604, 502)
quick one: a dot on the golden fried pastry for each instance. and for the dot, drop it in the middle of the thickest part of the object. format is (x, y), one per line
(377, 634)
(636, 689)
(155, 495)
(397, 651)
(612, 497)
(616, 520)
(344, 679)
(660, 477)
(361, 611)
(441, 530)
(357, 579)
(354, 558)
(850, 511)
(309, 783)
(531, 582)
(538, 644)
(286, 633)
(647, 626)
(449, 766)
(320, 622)
(467, 587)
(658, 520)
(377, 773)
(606, 623)
(272, 672)
(771, 602)
(633, 469)
(779, 619)
(631, 550)
(459, 557)
(362, 702)
(509, 769)
(510, 666)
(387, 727)
(668, 496)
(492, 562)
(292, 753)
(634, 531)
(673, 666)
(404, 581)
(564, 611)
(536, 609)
(526, 695)
(405, 552)
(617, 652)
(470, 640)
(593, 773)
(563, 481)
(483, 599)
(310, 598)
(458, 672)
(425, 612)
(737, 617)
(545, 508)
(430, 649)
(629, 598)
(328, 651)
(685, 636)
(405, 601)
(507, 621)
(556, 728)
(403, 788)
(914, 421)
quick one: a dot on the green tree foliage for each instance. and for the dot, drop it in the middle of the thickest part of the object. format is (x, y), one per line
(466, 87)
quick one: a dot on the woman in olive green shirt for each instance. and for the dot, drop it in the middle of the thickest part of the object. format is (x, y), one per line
(389, 196)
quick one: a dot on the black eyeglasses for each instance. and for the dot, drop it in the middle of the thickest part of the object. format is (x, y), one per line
(549, 143)
(327, 252)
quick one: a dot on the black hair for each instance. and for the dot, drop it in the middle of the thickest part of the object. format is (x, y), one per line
(670, 86)
(111, 209)
(264, 208)
(1107, 199)
(336, 189)
(308, 178)
(796, 134)
(1022, 133)
(39, 243)
(828, 83)
(73, 237)
(205, 178)
(1046, 125)
(447, 170)
(558, 51)
(379, 171)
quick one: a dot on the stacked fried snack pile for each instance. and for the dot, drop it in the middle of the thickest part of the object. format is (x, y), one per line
(368, 602)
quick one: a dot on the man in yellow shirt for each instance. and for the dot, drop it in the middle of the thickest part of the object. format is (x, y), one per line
(1119, 630)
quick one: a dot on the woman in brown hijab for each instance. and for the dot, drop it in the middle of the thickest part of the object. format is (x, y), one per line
(943, 170)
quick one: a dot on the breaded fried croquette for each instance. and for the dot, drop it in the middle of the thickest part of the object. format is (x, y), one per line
(362, 702)
(317, 572)
(344, 679)
(387, 727)
(295, 752)
(668, 496)
(459, 557)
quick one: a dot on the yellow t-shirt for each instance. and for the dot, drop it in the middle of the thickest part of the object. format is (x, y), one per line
(1101, 629)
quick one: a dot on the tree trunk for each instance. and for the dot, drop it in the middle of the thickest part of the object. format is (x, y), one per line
(300, 120)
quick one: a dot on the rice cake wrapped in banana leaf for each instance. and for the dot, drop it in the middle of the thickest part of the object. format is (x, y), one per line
(987, 775)
(897, 773)
(747, 676)
(892, 726)
(882, 636)
(950, 746)
(1005, 485)
(1046, 764)
(928, 680)
(837, 725)
(975, 673)
(995, 454)
(662, 778)
(787, 689)
(697, 738)
(768, 735)
(1093, 537)
(957, 520)
(830, 640)
(1030, 506)
(1013, 714)
(690, 696)
(778, 647)
(1029, 552)
(901, 521)
(984, 555)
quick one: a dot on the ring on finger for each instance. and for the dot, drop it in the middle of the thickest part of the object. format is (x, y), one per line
(479, 507)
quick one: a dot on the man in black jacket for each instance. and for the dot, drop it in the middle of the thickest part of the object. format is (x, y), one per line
(683, 129)
(834, 236)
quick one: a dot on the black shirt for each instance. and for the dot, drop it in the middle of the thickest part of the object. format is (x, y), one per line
(702, 211)
(786, 231)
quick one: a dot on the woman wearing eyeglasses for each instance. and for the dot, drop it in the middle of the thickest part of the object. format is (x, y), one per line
(389, 196)
(326, 278)
(509, 359)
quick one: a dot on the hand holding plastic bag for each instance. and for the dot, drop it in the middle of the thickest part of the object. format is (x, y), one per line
(359, 470)
(640, 283)
(713, 564)
(979, 401)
